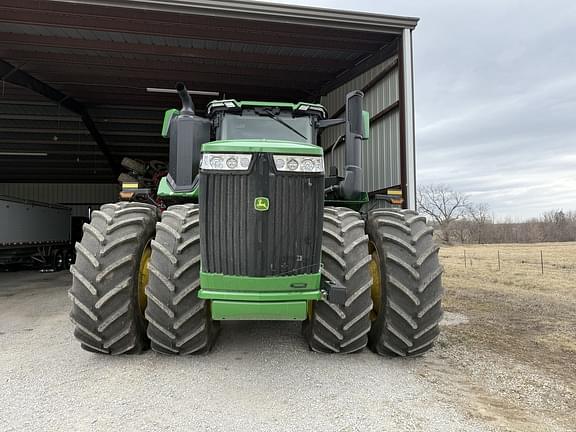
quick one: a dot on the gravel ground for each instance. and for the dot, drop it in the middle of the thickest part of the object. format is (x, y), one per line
(259, 377)
(512, 361)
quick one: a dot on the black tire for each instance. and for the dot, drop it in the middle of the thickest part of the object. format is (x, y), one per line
(106, 310)
(69, 258)
(345, 259)
(58, 260)
(180, 323)
(408, 316)
(134, 165)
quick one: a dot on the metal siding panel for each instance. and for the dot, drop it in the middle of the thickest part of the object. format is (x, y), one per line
(86, 195)
(381, 153)
(182, 42)
(269, 12)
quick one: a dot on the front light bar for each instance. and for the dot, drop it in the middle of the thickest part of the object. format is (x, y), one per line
(241, 162)
(291, 163)
(225, 162)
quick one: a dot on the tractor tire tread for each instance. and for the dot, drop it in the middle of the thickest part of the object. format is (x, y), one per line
(105, 309)
(408, 322)
(343, 328)
(180, 321)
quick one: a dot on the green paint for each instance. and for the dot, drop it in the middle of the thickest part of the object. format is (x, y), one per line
(262, 146)
(366, 124)
(261, 204)
(259, 296)
(292, 284)
(354, 205)
(166, 124)
(165, 191)
(276, 311)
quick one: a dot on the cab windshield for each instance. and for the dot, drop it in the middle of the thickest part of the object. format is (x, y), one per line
(259, 126)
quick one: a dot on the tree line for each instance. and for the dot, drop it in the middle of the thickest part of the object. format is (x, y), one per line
(458, 219)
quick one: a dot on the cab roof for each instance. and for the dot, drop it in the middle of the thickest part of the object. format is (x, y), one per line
(234, 105)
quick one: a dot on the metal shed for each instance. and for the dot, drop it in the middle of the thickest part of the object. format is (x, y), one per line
(74, 74)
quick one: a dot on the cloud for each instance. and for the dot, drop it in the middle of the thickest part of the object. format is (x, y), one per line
(495, 98)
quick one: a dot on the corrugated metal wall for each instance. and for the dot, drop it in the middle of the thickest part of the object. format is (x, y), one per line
(79, 197)
(381, 153)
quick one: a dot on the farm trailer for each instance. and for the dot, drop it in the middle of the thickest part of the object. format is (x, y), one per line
(35, 234)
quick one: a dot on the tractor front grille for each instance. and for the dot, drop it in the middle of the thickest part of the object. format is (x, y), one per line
(236, 239)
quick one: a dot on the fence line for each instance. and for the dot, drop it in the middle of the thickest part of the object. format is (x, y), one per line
(503, 261)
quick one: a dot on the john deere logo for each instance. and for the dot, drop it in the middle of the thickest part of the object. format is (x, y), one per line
(261, 204)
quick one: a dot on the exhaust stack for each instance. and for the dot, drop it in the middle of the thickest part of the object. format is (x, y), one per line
(187, 104)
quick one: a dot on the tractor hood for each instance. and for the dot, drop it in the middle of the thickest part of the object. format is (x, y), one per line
(262, 146)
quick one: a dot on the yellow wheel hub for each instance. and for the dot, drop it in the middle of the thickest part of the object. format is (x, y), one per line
(376, 292)
(310, 309)
(143, 277)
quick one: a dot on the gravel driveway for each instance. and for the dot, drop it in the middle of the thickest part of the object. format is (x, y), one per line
(259, 377)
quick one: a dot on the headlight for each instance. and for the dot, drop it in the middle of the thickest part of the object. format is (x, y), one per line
(232, 162)
(216, 162)
(225, 162)
(292, 163)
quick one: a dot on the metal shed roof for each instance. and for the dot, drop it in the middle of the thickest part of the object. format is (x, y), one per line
(103, 54)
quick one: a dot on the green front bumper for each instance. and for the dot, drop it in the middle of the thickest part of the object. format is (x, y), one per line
(259, 298)
(268, 311)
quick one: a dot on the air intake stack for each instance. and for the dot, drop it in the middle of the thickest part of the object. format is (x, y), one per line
(187, 134)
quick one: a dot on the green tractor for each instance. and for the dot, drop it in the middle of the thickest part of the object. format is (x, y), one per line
(246, 225)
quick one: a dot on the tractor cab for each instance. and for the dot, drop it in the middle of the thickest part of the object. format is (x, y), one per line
(249, 120)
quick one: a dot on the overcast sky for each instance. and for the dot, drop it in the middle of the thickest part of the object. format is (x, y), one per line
(495, 98)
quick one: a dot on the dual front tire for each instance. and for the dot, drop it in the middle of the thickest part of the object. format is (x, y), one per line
(407, 283)
(179, 322)
(390, 269)
(136, 279)
(137, 276)
(106, 288)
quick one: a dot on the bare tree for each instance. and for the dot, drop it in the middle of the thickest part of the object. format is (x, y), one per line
(443, 204)
(479, 213)
(557, 225)
(462, 230)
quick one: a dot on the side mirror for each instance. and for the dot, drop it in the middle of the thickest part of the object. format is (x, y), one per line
(354, 114)
(366, 124)
(351, 187)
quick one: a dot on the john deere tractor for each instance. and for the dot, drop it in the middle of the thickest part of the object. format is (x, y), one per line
(246, 225)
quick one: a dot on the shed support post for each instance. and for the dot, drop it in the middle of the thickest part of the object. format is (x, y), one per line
(409, 162)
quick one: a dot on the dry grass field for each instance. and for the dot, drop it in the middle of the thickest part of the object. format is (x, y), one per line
(511, 357)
